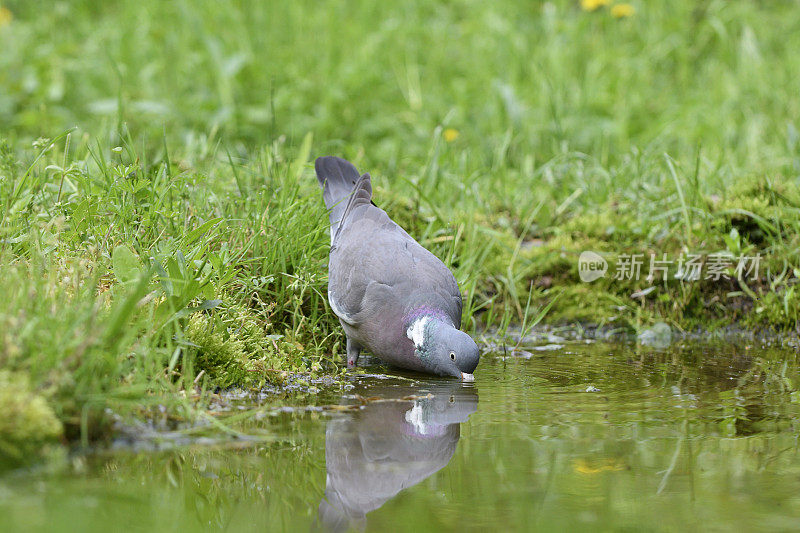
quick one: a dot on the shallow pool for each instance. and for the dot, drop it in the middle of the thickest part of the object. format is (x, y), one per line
(568, 436)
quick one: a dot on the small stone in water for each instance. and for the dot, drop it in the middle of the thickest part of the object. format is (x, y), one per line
(548, 347)
(592, 388)
(659, 336)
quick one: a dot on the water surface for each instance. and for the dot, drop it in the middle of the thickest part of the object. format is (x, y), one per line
(580, 436)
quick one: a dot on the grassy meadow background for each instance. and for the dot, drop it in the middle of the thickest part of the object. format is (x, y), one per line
(162, 233)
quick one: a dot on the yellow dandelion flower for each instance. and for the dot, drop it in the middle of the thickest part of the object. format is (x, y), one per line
(5, 17)
(593, 5)
(583, 466)
(622, 10)
(451, 134)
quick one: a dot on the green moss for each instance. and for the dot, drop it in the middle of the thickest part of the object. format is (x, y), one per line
(587, 303)
(781, 310)
(604, 224)
(241, 355)
(27, 423)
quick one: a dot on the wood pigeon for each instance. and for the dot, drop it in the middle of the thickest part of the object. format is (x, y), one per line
(393, 297)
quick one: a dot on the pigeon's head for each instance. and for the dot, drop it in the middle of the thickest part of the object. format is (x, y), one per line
(445, 349)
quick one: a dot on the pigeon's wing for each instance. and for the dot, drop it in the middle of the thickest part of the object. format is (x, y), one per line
(374, 263)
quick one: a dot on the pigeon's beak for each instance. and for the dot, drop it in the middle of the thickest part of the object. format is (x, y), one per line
(467, 377)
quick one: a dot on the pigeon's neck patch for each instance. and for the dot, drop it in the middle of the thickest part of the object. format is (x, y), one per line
(417, 331)
(419, 327)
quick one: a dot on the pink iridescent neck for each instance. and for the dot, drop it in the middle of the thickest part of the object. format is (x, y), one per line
(425, 311)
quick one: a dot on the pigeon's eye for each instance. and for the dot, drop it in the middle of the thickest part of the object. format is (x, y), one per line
(453, 356)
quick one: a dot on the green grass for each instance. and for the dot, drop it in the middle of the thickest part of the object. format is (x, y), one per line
(161, 229)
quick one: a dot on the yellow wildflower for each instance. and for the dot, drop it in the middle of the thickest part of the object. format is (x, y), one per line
(622, 10)
(451, 134)
(5, 17)
(591, 467)
(592, 5)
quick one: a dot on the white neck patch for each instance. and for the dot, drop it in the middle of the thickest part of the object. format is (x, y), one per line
(416, 332)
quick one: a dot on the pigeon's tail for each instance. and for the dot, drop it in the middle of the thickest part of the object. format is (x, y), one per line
(342, 188)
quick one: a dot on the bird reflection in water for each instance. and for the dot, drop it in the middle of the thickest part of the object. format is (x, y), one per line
(388, 446)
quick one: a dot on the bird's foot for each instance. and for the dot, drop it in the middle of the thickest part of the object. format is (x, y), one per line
(353, 351)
